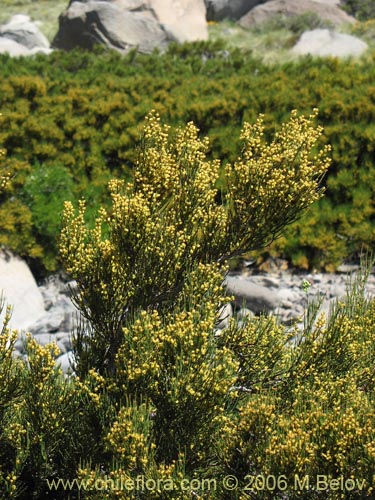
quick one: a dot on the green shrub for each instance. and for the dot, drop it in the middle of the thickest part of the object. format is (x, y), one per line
(361, 9)
(296, 24)
(173, 197)
(44, 193)
(161, 402)
(57, 112)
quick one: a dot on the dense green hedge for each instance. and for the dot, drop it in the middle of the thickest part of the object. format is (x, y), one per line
(361, 9)
(74, 119)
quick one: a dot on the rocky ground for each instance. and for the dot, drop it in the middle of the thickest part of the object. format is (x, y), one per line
(282, 293)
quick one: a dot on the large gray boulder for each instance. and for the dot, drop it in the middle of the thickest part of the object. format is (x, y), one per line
(323, 42)
(327, 11)
(127, 24)
(22, 30)
(20, 291)
(257, 298)
(219, 10)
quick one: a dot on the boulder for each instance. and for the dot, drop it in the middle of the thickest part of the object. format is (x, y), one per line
(48, 323)
(263, 13)
(247, 294)
(14, 49)
(64, 342)
(185, 20)
(85, 24)
(20, 291)
(219, 10)
(65, 361)
(130, 24)
(22, 30)
(323, 42)
(45, 338)
(60, 314)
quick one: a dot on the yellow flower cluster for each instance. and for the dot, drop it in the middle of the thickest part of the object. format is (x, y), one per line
(42, 361)
(143, 357)
(93, 386)
(274, 182)
(129, 437)
(4, 178)
(169, 218)
(181, 342)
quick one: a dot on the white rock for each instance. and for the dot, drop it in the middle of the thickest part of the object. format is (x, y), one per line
(65, 361)
(49, 323)
(224, 316)
(20, 291)
(324, 42)
(184, 19)
(22, 30)
(255, 297)
(11, 47)
(270, 281)
(348, 268)
(288, 295)
(41, 50)
(335, 3)
(65, 343)
(45, 338)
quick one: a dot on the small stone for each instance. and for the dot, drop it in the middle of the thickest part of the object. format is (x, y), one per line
(224, 316)
(65, 361)
(64, 342)
(271, 282)
(51, 323)
(244, 313)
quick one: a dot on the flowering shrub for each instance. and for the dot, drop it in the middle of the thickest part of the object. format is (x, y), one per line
(127, 262)
(162, 405)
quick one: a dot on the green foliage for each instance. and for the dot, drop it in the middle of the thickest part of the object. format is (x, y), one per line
(44, 193)
(56, 112)
(127, 262)
(365, 30)
(361, 9)
(296, 24)
(161, 401)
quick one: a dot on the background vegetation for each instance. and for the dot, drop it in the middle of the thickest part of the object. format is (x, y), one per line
(58, 115)
(361, 9)
(62, 124)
